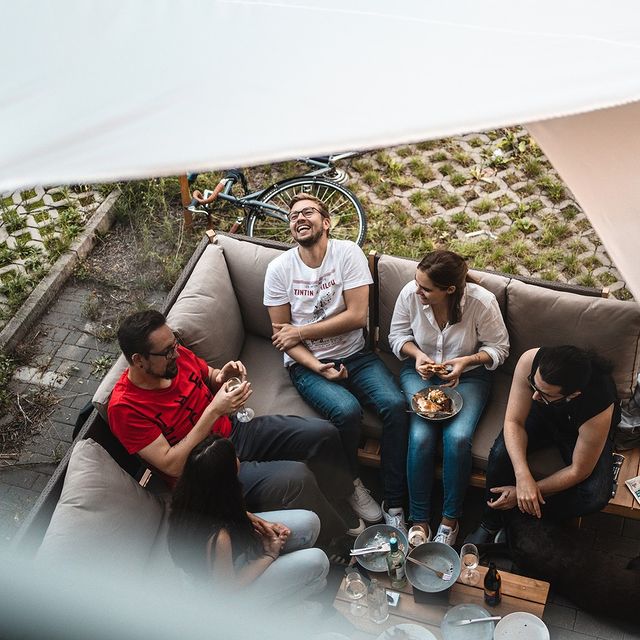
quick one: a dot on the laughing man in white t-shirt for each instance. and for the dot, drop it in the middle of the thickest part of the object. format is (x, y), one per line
(317, 294)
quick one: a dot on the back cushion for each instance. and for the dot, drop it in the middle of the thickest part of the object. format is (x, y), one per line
(394, 273)
(103, 515)
(247, 264)
(207, 314)
(541, 317)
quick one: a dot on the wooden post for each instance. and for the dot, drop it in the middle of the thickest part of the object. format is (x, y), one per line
(185, 194)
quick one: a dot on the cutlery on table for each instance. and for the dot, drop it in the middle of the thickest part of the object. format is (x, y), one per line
(460, 623)
(440, 574)
(379, 548)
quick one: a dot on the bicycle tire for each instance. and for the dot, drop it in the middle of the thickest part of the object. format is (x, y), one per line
(348, 219)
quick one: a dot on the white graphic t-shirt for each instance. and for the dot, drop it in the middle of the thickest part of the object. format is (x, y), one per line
(316, 294)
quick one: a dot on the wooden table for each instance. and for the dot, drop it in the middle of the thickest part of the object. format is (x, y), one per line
(518, 594)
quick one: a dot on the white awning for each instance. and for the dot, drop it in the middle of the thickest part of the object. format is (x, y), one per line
(96, 91)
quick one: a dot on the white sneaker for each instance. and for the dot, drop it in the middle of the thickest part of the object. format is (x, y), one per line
(447, 534)
(395, 518)
(363, 504)
(354, 532)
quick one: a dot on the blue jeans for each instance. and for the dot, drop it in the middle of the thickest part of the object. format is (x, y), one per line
(369, 383)
(457, 435)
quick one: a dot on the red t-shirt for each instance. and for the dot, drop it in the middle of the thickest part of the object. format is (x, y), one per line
(138, 416)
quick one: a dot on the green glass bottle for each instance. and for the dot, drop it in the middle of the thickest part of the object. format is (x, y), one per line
(395, 565)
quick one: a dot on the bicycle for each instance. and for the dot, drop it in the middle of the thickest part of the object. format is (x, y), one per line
(265, 212)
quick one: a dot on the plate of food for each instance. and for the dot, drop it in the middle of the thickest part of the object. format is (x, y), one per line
(436, 402)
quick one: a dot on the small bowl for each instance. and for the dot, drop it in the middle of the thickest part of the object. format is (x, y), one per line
(373, 535)
(456, 400)
(438, 556)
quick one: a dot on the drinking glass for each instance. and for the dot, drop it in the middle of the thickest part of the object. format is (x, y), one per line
(377, 602)
(355, 588)
(470, 558)
(244, 414)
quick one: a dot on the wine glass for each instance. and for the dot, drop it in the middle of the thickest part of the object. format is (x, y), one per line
(355, 588)
(244, 414)
(470, 559)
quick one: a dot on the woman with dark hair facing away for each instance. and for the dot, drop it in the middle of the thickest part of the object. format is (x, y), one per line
(212, 538)
(444, 318)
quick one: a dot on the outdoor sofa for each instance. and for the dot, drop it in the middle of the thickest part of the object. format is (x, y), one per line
(216, 307)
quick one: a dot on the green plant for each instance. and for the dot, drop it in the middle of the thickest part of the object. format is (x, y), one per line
(420, 170)
(570, 212)
(101, 365)
(457, 179)
(484, 205)
(439, 156)
(462, 158)
(383, 190)
(532, 168)
(495, 223)
(525, 225)
(553, 189)
(13, 221)
(475, 142)
(446, 169)
(450, 200)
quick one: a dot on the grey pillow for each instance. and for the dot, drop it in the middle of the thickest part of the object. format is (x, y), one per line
(207, 314)
(103, 515)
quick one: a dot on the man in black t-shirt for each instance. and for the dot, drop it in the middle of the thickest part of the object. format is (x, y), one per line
(563, 396)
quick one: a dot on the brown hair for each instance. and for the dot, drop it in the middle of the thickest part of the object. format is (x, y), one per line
(307, 196)
(447, 269)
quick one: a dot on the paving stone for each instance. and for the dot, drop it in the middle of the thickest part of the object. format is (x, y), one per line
(63, 414)
(71, 352)
(18, 477)
(51, 379)
(599, 627)
(92, 354)
(631, 528)
(558, 633)
(604, 522)
(627, 547)
(31, 457)
(61, 431)
(24, 374)
(43, 445)
(559, 616)
(87, 340)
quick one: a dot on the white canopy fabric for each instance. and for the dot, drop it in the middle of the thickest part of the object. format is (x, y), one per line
(96, 91)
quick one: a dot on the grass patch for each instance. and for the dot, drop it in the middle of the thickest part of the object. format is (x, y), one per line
(553, 189)
(495, 223)
(420, 170)
(439, 156)
(13, 221)
(569, 213)
(457, 179)
(450, 200)
(483, 206)
(532, 168)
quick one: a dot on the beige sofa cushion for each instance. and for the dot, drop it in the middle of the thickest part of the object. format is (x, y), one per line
(394, 273)
(207, 313)
(101, 397)
(541, 317)
(247, 264)
(273, 392)
(103, 514)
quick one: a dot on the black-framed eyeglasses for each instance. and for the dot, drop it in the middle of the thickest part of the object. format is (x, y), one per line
(544, 397)
(307, 212)
(169, 352)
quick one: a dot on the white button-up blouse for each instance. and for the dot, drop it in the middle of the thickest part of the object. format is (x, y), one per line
(481, 327)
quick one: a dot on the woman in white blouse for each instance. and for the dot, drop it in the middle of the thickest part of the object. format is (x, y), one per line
(444, 317)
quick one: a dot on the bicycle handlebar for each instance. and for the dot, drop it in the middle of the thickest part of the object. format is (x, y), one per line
(197, 196)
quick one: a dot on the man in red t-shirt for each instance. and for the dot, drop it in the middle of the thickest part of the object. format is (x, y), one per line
(169, 400)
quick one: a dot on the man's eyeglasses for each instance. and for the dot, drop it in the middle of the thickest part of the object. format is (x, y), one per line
(544, 397)
(169, 352)
(307, 212)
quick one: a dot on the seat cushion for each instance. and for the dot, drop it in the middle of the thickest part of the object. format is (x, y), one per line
(537, 316)
(103, 515)
(247, 264)
(207, 314)
(273, 392)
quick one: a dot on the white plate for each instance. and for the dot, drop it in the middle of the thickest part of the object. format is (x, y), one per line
(475, 631)
(521, 626)
(406, 632)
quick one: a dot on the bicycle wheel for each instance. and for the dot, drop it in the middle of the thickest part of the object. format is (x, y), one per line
(348, 220)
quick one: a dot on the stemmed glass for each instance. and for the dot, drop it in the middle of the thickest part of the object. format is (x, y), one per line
(355, 588)
(244, 413)
(470, 559)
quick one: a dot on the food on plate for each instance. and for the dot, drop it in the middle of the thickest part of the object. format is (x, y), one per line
(435, 401)
(438, 369)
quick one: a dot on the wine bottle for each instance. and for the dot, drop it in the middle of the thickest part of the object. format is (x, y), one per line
(395, 565)
(492, 584)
